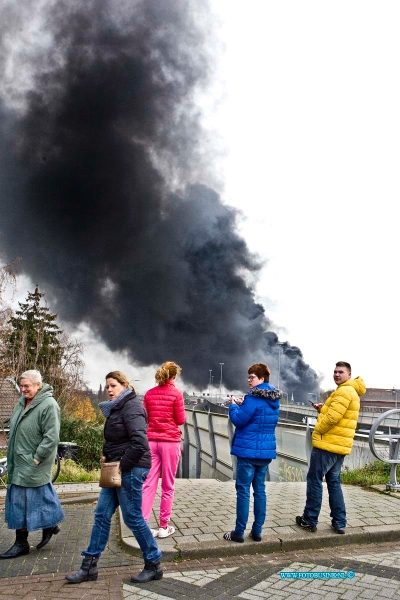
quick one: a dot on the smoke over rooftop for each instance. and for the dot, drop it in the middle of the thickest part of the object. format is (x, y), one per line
(104, 186)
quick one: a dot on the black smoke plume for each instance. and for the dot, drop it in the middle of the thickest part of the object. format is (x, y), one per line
(103, 189)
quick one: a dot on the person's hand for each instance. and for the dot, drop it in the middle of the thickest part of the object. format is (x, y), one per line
(37, 462)
(239, 401)
(318, 406)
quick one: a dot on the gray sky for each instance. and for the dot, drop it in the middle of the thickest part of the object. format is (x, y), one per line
(305, 121)
(311, 124)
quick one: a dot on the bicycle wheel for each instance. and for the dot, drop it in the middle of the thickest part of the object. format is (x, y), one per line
(3, 471)
(56, 468)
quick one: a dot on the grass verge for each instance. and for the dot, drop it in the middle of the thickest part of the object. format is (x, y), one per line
(71, 472)
(376, 473)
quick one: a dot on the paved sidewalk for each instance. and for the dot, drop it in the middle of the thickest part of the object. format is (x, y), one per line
(205, 508)
(205, 566)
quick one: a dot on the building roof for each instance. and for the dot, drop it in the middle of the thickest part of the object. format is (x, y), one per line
(8, 399)
(381, 394)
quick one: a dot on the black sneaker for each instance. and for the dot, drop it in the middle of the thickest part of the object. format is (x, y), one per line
(338, 530)
(304, 525)
(232, 536)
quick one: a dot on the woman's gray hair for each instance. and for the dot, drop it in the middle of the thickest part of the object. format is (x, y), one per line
(33, 375)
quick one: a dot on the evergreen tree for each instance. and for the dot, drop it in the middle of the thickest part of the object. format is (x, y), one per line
(34, 341)
(35, 337)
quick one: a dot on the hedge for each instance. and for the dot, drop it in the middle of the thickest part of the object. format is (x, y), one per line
(88, 436)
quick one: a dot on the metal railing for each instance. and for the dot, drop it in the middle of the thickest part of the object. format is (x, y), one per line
(207, 438)
(387, 421)
(206, 446)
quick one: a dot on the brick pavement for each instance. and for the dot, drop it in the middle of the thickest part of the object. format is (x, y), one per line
(207, 508)
(376, 575)
(63, 553)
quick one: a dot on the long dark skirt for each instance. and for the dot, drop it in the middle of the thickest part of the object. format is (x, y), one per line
(32, 508)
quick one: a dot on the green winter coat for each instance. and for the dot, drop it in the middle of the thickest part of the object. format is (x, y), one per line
(34, 433)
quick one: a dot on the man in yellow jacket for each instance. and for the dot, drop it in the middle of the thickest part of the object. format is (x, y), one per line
(332, 440)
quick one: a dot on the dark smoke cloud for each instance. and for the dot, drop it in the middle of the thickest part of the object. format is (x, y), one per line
(100, 153)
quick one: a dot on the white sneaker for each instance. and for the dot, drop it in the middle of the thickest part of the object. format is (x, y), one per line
(163, 533)
(154, 533)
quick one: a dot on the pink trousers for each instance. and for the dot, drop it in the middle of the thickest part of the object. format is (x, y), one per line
(164, 458)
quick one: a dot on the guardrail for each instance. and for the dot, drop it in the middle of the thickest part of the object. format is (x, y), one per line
(207, 437)
(206, 440)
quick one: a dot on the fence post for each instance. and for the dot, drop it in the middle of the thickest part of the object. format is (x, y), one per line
(185, 452)
(231, 431)
(198, 445)
(308, 441)
(212, 441)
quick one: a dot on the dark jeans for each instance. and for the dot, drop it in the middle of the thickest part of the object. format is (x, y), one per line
(129, 498)
(325, 464)
(249, 474)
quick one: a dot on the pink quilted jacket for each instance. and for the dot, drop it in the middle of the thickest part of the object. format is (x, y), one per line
(165, 410)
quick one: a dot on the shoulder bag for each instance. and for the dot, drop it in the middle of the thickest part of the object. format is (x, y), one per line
(110, 475)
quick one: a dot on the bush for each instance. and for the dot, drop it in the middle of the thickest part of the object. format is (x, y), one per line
(88, 436)
(376, 473)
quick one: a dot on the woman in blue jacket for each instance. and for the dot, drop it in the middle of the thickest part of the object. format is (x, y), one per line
(254, 445)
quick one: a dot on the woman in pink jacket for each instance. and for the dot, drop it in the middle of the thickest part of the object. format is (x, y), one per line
(165, 411)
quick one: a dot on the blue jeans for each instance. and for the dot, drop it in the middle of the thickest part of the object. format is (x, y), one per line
(248, 474)
(129, 498)
(325, 464)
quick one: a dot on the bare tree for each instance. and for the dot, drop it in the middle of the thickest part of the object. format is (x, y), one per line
(8, 279)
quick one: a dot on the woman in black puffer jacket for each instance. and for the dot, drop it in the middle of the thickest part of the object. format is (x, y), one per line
(125, 441)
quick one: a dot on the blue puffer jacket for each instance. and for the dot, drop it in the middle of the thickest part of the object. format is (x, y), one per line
(255, 421)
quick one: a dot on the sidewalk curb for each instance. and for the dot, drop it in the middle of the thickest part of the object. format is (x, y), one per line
(78, 499)
(87, 499)
(270, 544)
(128, 542)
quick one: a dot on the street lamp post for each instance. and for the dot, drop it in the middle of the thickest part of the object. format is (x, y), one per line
(209, 384)
(220, 382)
(287, 403)
(394, 393)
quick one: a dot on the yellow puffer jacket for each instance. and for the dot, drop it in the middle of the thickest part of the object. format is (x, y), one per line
(337, 421)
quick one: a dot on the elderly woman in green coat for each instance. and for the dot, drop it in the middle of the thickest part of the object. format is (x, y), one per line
(31, 500)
